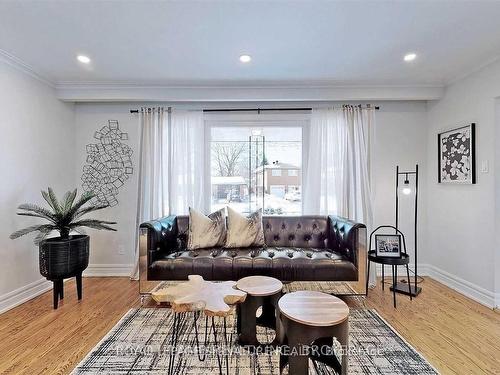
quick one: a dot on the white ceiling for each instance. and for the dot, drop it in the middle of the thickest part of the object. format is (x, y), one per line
(302, 42)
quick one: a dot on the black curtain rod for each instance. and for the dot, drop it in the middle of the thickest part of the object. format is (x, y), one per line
(254, 109)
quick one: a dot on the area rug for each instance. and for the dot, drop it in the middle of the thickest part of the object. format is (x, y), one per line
(141, 341)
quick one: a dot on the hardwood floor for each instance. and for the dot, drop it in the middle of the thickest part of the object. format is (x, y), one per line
(35, 339)
(455, 334)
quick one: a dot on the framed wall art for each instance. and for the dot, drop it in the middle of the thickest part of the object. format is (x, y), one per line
(457, 156)
(388, 245)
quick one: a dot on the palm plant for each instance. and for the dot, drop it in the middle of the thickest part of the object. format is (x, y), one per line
(63, 216)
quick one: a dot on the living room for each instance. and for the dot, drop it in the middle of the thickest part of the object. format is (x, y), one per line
(234, 157)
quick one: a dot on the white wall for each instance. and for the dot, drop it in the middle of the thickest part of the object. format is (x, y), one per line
(112, 253)
(400, 138)
(461, 218)
(36, 151)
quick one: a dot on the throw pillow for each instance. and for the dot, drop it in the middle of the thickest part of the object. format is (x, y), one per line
(244, 231)
(206, 231)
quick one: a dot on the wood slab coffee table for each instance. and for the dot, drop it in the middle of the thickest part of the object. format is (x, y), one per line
(198, 294)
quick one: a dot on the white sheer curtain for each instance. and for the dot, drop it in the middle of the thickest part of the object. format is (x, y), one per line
(187, 162)
(153, 170)
(171, 165)
(337, 173)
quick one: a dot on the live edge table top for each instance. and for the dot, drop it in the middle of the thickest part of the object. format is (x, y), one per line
(198, 294)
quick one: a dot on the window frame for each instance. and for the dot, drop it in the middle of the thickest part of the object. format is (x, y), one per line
(263, 120)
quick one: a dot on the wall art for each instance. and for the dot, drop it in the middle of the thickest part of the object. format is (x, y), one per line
(108, 164)
(457, 156)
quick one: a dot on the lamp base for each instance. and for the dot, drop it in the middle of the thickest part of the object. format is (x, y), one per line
(404, 289)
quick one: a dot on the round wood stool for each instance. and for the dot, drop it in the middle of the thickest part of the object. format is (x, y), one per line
(262, 291)
(309, 321)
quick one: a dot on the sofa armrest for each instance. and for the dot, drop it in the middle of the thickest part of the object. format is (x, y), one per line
(161, 236)
(346, 237)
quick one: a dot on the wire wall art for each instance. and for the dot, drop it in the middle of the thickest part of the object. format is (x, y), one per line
(108, 164)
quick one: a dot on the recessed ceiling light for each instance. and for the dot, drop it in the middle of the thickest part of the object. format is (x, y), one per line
(410, 56)
(245, 58)
(83, 59)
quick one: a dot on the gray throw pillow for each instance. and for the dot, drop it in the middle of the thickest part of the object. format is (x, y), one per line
(244, 231)
(206, 231)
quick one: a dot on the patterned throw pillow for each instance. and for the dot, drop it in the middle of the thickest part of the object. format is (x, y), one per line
(244, 231)
(206, 231)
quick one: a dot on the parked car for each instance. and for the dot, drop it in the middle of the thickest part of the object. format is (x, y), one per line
(293, 196)
(234, 196)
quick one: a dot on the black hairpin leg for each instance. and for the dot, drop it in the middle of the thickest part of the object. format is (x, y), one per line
(201, 356)
(173, 345)
(219, 360)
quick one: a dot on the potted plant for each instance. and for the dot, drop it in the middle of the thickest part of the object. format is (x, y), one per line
(67, 255)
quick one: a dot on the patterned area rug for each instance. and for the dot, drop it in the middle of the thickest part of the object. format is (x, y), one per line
(140, 344)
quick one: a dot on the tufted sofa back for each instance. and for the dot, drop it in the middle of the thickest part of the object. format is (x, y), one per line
(283, 231)
(296, 231)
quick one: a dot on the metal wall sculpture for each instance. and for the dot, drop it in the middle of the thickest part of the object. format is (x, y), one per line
(108, 164)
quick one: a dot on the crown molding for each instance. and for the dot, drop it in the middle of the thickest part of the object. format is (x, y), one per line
(238, 84)
(25, 68)
(472, 71)
(315, 91)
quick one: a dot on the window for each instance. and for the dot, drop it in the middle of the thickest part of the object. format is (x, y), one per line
(248, 168)
(293, 173)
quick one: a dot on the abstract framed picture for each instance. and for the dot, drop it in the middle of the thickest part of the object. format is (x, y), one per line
(457, 156)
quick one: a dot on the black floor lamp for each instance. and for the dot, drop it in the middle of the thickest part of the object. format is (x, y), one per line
(406, 189)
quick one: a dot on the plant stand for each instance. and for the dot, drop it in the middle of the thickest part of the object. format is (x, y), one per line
(64, 258)
(58, 289)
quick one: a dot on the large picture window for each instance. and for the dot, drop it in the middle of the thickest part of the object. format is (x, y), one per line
(256, 167)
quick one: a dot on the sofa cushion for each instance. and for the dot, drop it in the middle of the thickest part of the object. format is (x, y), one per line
(284, 263)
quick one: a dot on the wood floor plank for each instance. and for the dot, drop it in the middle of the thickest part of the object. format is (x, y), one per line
(455, 334)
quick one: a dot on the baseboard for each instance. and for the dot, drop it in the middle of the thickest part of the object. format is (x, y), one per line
(34, 289)
(473, 291)
(103, 270)
(24, 294)
(468, 289)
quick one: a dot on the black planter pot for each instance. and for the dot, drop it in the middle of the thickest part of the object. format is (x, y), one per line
(61, 259)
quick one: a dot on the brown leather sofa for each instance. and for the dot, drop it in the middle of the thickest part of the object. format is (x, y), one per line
(298, 248)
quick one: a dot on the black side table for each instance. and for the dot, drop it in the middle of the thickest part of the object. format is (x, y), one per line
(262, 291)
(394, 262)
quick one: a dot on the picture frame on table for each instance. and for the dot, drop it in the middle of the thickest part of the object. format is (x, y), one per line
(388, 245)
(457, 155)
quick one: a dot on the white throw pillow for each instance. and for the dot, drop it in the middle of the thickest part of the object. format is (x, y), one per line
(206, 231)
(243, 231)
